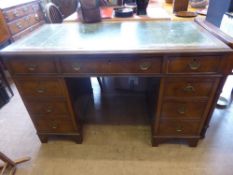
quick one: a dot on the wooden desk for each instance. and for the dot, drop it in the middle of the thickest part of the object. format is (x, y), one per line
(187, 62)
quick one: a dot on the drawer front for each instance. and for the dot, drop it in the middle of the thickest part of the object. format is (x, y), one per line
(48, 107)
(34, 18)
(178, 128)
(172, 109)
(23, 23)
(54, 126)
(188, 87)
(205, 64)
(27, 31)
(19, 25)
(40, 87)
(32, 66)
(15, 13)
(136, 65)
(84, 66)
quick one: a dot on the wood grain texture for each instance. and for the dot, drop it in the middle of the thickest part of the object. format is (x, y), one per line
(4, 33)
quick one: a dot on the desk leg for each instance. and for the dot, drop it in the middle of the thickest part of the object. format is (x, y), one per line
(43, 138)
(193, 142)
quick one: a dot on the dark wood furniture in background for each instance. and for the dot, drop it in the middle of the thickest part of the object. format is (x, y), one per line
(53, 13)
(180, 5)
(4, 40)
(67, 7)
(21, 19)
(4, 33)
(190, 66)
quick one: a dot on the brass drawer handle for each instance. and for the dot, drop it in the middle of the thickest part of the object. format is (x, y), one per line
(179, 129)
(40, 91)
(189, 89)
(54, 126)
(145, 66)
(194, 64)
(19, 26)
(181, 110)
(49, 110)
(16, 14)
(32, 67)
(37, 17)
(76, 67)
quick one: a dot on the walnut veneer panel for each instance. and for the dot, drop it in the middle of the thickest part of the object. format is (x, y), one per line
(28, 65)
(183, 109)
(195, 64)
(188, 87)
(98, 65)
(4, 34)
(48, 107)
(40, 87)
(76, 65)
(54, 126)
(178, 127)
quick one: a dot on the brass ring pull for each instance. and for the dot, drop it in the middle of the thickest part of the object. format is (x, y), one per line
(32, 67)
(40, 91)
(145, 66)
(19, 26)
(194, 64)
(54, 126)
(189, 89)
(76, 67)
(179, 129)
(49, 110)
(16, 14)
(37, 17)
(181, 110)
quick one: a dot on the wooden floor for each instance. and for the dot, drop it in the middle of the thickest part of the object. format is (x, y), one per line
(115, 149)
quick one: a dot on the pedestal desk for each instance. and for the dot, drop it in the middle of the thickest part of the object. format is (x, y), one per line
(189, 64)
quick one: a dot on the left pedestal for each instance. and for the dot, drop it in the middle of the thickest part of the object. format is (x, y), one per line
(46, 98)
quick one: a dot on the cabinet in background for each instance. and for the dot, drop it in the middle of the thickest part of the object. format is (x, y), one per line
(19, 19)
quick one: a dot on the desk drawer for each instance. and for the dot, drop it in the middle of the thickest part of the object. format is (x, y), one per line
(54, 126)
(75, 66)
(23, 23)
(55, 107)
(27, 31)
(201, 64)
(19, 25)
(178, 127)
(188, 87)
(32, 66)
(176, 109)
(152, 65)
(40, 87)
